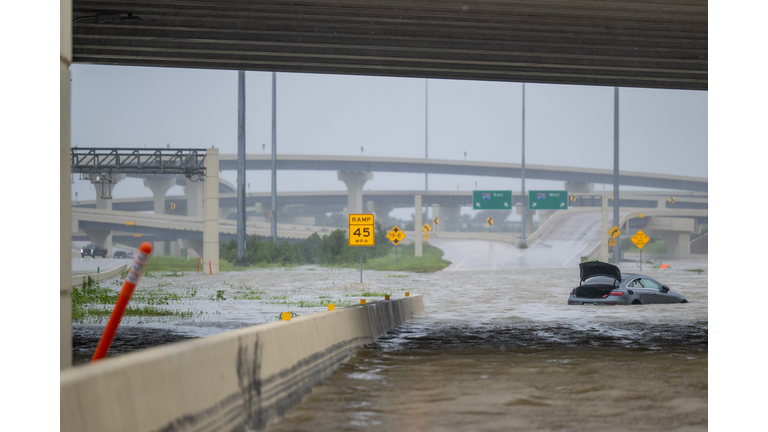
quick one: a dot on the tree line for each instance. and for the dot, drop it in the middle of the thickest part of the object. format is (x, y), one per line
(330, 249)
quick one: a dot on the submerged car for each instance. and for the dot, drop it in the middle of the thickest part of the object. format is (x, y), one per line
(604, 284)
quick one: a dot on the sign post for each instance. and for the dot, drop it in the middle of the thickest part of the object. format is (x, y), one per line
(361, 233)
(640, 239)
(396, 235)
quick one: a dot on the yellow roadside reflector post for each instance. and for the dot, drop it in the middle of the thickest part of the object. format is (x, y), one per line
(285, 316)
(362, 301)
(331, 306)
(407, 294)
(386, 297)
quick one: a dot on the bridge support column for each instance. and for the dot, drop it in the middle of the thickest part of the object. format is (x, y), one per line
(417, 225)
(355, 182)
(211, 210)
(678, 243)
(381, 211)
(176, 247)
(544, 215)
(194, 193)
(194, 247)
(528, 219)
(102, 187)
(100, 237)
(579, 187)
(159, 186)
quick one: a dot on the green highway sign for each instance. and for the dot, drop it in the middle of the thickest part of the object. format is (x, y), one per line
(547, 200)
(492, 200)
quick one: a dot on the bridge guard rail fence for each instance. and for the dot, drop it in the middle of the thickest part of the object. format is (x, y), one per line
(237, 380)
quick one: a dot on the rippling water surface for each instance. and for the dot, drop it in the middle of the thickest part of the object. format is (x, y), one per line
(501, 350)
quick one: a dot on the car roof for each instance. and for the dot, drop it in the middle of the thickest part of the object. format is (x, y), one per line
(625, 276)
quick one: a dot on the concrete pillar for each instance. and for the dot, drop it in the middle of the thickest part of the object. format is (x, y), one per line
(417, 225)
(103, 187)
(604, 237)
(65, 198)
(159, 185)
(579, 187)
(528, 219)
(355, 181)
(544, 215)
(194, 247)
(176, 247)
(678, 243)
(661, 203)
(211, 210)
(435, 213)
(381, 211)
(194, 193)
(100, 237)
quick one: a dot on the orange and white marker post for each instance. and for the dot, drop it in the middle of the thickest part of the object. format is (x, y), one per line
(134, 274)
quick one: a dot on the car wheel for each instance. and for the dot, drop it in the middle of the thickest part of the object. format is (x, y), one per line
(636, 302)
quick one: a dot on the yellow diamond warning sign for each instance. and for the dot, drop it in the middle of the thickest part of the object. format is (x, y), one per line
(396, 235)
(361, 230)
(640, 239)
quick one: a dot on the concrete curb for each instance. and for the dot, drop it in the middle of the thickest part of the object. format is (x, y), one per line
(237, 380)
(98, 277)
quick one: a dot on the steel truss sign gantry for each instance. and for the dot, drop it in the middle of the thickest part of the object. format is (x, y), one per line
(98, 161)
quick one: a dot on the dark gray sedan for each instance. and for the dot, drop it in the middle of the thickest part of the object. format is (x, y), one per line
(604, 284)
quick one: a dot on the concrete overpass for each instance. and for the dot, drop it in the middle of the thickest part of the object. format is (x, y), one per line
(454, 167)
(293, 204)
(657, 44)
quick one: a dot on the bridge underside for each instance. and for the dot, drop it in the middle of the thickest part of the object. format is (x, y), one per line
(652, 44)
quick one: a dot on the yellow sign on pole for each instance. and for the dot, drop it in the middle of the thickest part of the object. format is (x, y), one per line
(436, 220)
(361, 230)
(426, 236)
(396, 235)
(640, 239)
(173, 206)
(489, 221)
(612, 242)
(426, 228)
(614, 232)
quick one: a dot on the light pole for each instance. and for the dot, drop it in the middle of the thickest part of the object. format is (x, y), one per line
(523, 204)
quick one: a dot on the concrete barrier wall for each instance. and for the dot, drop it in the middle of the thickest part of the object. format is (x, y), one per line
(77, 280)
(238, 380)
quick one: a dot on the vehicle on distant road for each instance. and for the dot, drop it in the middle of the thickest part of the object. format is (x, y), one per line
(129, 254)
(93, 250)
(120, 254)
(604, 284)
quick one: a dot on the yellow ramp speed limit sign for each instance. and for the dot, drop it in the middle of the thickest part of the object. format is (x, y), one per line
(361, 230)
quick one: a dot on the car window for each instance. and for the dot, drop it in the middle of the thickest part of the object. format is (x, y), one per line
(650, 283)
(637, 283)
(600, 280)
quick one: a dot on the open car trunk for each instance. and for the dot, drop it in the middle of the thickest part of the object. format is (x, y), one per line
(593, 291)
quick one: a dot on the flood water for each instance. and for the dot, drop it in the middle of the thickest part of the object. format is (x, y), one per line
(498, 349)
(501, 350)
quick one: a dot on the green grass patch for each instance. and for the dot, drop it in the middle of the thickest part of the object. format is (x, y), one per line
(375, 293)
(431, 260)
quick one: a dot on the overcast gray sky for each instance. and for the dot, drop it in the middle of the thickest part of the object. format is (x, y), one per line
(661, 131)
